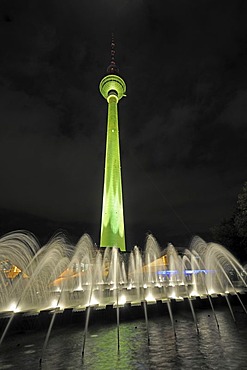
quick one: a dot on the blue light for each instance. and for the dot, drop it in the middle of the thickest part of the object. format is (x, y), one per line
(167, 272)
(190, 272)
(187, 272)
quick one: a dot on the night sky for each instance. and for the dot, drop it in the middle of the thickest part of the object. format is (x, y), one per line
(182, 126)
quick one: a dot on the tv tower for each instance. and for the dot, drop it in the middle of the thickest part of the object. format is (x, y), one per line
(113, 88)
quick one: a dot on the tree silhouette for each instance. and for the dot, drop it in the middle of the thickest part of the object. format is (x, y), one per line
(240, 219)
(232, 233)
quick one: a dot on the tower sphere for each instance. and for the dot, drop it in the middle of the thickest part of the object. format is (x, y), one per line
(112, 85)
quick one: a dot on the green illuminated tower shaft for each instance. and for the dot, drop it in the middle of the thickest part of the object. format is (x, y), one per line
(113, 88)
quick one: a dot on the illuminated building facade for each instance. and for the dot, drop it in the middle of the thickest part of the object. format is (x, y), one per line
(113, 88)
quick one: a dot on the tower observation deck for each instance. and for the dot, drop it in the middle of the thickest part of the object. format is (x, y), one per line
(113, 88)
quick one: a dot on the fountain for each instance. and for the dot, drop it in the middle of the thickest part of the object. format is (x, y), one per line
(60, 275)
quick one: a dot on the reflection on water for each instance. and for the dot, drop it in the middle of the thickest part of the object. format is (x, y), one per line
(211, 349)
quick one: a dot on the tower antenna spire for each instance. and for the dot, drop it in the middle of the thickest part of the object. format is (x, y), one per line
(112, 68)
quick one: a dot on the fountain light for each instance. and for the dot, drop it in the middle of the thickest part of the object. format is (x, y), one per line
(54, 303)
(122, 299)
(150, 298)
(194, 293)
(173, 295)
(93, 301)
(79, 288)
(13, 307)
(158, 285)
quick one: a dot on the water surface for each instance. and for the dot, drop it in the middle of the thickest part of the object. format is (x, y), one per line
(225, 348)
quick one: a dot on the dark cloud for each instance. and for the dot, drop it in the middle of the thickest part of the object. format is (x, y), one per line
(235, 113)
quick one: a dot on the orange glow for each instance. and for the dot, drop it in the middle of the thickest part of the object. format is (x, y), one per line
(160, 263)
(10, 271)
